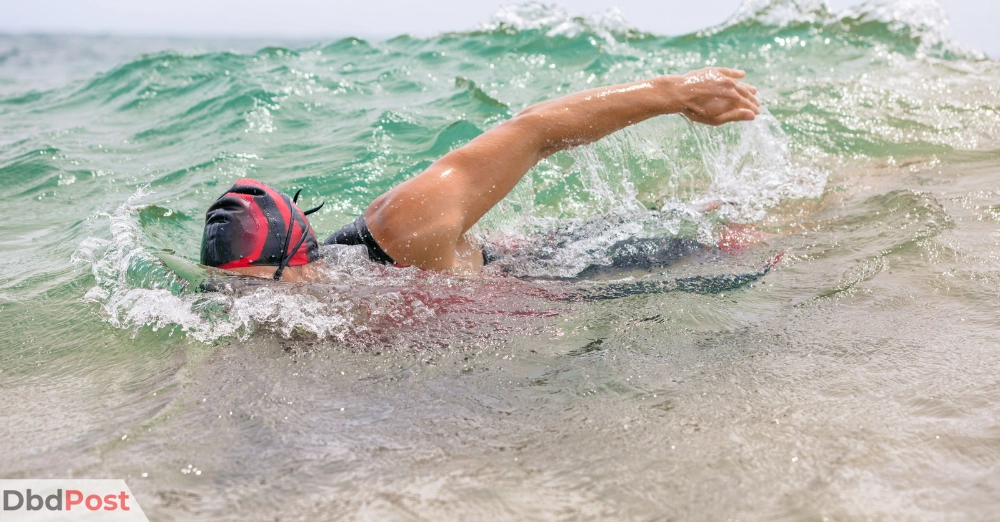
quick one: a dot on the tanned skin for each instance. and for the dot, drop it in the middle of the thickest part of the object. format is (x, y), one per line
(423, 221)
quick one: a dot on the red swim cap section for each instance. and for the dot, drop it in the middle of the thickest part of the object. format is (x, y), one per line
(247, 226)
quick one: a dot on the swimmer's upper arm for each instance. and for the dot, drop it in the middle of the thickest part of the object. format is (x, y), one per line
(421, 221)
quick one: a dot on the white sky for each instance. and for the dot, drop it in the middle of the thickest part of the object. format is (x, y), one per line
(973, 22)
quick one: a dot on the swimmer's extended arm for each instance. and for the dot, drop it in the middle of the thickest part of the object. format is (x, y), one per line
(422, 221)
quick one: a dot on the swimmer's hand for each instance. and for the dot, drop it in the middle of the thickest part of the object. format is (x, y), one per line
(714, 96)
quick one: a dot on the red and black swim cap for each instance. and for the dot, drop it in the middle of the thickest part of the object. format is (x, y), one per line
(253, 224)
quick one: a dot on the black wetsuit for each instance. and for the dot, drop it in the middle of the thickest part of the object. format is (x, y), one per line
(357, 233)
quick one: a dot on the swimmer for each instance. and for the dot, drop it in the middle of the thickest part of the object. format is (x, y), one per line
(254, 230)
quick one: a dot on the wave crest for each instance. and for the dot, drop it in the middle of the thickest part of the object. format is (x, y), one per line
(780, 13)
(922, 21)
(556, 21)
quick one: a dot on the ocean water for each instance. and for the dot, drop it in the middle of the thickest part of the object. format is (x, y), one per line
(857, 380)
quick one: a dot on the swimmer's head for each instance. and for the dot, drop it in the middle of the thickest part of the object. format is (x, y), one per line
(253, 224)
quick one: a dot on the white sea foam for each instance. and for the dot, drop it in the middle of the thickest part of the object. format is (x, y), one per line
(556, 21)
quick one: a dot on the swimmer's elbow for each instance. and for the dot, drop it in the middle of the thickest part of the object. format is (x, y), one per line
(539, 126)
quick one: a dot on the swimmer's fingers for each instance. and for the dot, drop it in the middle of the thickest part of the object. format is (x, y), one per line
(732, 73)
(740, 114)
(715, 95)
(750, 102)
(737, 114)
(698, 118)
(748, 92)
(731, 104)
(735, 95)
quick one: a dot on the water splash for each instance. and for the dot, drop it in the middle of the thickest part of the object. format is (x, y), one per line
(754, 171)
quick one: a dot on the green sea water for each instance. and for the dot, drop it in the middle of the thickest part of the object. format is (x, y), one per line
(856, 380)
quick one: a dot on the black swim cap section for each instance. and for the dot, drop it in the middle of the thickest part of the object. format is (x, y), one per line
(230, 227)
(357, 233)
(232, 231)
(221, 226)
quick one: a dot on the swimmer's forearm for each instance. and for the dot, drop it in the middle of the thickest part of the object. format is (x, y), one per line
(711, 96)
(587, 116)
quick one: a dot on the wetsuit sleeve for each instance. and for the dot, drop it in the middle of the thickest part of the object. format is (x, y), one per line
(357, 233)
